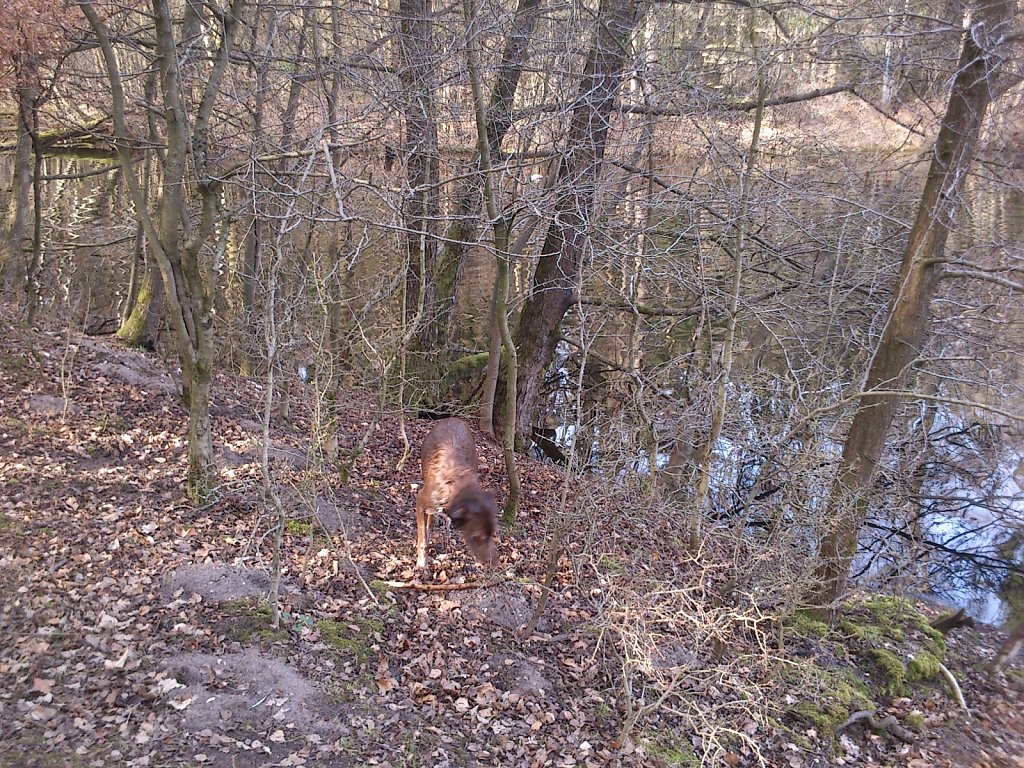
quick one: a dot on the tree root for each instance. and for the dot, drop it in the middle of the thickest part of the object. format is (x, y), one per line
(888, 724)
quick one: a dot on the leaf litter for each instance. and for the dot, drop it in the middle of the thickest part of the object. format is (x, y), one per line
(134, 630)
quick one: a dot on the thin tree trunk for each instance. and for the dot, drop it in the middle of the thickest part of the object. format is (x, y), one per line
(502, 230)
(141, 326)
(906, 331)
(490, 386)
(555, 279)
(188, 292)
(508, 437)
(35, 263)
(142, 323)
(330, 278)
(701, 502)
(488, 399)
(252, 245)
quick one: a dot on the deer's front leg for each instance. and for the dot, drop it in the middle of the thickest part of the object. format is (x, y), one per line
(423, 520)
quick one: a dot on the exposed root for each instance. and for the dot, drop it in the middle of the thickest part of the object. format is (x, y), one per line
(888, 724)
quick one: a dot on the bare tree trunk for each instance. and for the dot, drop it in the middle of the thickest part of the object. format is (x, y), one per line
(464, 226)
(906, 331)
(18, 207)
(701, 502)
(252, 246)
(35, 263)
(502, 231)
(422, 210)
(189, 291)
(142, 324)
(555, 281)
(329, 280)
(490, 387)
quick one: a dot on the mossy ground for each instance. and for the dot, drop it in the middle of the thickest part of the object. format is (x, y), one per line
(875, 650)
(352, 639)
(297, 527)
(666, 749)
(249, 621)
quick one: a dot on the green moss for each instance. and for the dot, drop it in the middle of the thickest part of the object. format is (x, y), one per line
(610, 563)
(923, 666)
(893, 672)
(824, 717)
(900, 614)
(13, 427)
(865, 632)
(352, 638)
(297, 527)
(666, 747)
(465, 367)
(807, 624)
(914, 720)
(249, 620)
(830, 695)
(16, 370)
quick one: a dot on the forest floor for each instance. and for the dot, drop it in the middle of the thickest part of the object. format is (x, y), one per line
(133, 629)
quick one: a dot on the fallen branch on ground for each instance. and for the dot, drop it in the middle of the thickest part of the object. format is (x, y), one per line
(419, 586)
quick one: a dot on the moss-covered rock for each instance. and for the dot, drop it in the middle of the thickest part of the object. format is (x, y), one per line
(914, 720)
(900, 616)
(828, 695)
(893, 671)
(923, 666)
(297, 527)
(866, 632)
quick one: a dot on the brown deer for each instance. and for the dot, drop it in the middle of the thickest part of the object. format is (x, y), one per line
(451, 481)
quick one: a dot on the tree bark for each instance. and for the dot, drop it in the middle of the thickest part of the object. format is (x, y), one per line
(906, 331)
(35, 263)
(141, 326)
(189, 292)
(502, 230)
(22, 186)
(422, 162)
(142, 322)
(556, 280)
(465, 218)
